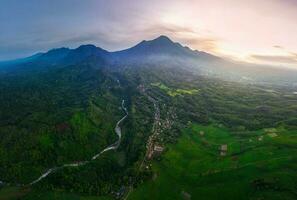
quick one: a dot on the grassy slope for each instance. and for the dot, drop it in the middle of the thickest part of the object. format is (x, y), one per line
(194, 166)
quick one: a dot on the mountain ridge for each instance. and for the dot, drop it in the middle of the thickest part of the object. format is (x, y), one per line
(160, 46)
(160, 52)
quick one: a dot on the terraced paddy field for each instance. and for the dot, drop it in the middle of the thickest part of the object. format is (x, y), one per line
(210, 162)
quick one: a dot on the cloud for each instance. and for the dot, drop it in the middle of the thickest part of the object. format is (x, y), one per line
(202, 43)
(278, 47)
(168, 29)
(287, 59)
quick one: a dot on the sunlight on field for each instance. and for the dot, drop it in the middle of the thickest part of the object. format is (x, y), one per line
(174, 92)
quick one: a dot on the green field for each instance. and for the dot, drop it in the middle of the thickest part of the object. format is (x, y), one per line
(257, 165)
(174, 92)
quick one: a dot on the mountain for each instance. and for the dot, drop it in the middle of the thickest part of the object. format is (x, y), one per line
(72, 56)
(54, 55)
(20, 60)
(85, 52)
(161, 51)
(161, 48)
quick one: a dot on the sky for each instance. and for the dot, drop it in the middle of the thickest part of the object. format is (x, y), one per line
(246, 30)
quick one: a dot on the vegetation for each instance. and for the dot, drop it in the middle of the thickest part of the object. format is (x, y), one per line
(174, 92)
(66, 113)
(256, 166)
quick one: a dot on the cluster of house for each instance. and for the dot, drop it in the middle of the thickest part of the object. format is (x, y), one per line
(155, 152)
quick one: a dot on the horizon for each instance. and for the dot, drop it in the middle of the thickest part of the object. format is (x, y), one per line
(98, 46)
(225, 28)
(152, 39)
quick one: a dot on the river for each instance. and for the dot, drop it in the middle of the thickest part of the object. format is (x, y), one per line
(81, 163)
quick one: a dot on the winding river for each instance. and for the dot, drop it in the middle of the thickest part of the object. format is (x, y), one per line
(81, 163)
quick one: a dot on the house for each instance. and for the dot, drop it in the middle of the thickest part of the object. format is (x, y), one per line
(223, 149)
(158, 148)
(186, 195)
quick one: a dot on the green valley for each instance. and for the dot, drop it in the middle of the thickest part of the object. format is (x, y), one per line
(256, 166)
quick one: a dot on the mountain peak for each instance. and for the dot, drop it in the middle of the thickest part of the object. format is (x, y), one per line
(58, 50)
(87, 46)
(161, 42)
(160, 46)
(163, 38)
(55, 54)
